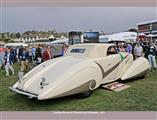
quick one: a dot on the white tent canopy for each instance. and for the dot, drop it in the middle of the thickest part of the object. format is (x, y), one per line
(141, 34)
(151, 35)
(51, 37)
(104, 38)
(122, 36)
(60, 41)
(16, 44)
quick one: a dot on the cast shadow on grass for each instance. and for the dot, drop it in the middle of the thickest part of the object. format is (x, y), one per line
(131, 80)
(151, 75)
(34, 101)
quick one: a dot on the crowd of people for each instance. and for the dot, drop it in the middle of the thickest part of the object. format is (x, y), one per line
(148, 50)
(33, 55)
(27, 57)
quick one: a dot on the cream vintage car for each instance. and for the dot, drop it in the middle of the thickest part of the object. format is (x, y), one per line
(81, 70)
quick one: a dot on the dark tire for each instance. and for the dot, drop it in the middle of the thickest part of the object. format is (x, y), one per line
(145, 75)
(84, 94)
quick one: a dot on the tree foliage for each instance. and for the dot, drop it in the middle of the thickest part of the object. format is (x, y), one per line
(7, 36)
(132, 30)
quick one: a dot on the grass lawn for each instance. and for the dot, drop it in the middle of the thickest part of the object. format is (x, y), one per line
(141, 96)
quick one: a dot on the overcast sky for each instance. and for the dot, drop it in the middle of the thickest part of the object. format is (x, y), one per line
(65, 19)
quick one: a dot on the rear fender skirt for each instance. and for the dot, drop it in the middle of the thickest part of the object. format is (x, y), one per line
(84, 87)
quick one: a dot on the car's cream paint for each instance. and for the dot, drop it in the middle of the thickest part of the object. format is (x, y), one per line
(138, 66)
(67, 73)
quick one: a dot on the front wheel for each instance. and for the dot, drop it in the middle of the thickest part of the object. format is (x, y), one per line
(85, 94)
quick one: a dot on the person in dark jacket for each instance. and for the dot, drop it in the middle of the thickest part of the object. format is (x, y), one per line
(9, 61)
(38, 55)
(151, 56)
(146, 51)
(24, 60)
(20, 52)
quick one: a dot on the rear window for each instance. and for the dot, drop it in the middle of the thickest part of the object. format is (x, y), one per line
(77, 50)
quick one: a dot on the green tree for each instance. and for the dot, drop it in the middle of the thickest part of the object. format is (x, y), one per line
(18, 35)
(132, 30)
(6, 40)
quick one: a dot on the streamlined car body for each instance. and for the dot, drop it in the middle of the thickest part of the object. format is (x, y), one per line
(81, 70)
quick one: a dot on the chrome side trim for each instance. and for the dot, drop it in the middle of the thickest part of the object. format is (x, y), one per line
(105, 73)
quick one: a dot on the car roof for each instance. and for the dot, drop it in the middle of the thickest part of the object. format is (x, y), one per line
(95, 44)
(91, 49)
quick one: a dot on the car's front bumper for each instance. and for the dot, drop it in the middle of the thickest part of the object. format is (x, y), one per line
(23, 93)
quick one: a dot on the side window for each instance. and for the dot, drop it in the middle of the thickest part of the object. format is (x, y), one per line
(111, 50)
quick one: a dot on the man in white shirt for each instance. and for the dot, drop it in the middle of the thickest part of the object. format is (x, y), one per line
(138, 51)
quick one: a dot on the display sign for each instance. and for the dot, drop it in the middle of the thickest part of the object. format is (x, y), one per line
(116, 86)
(91, 37)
